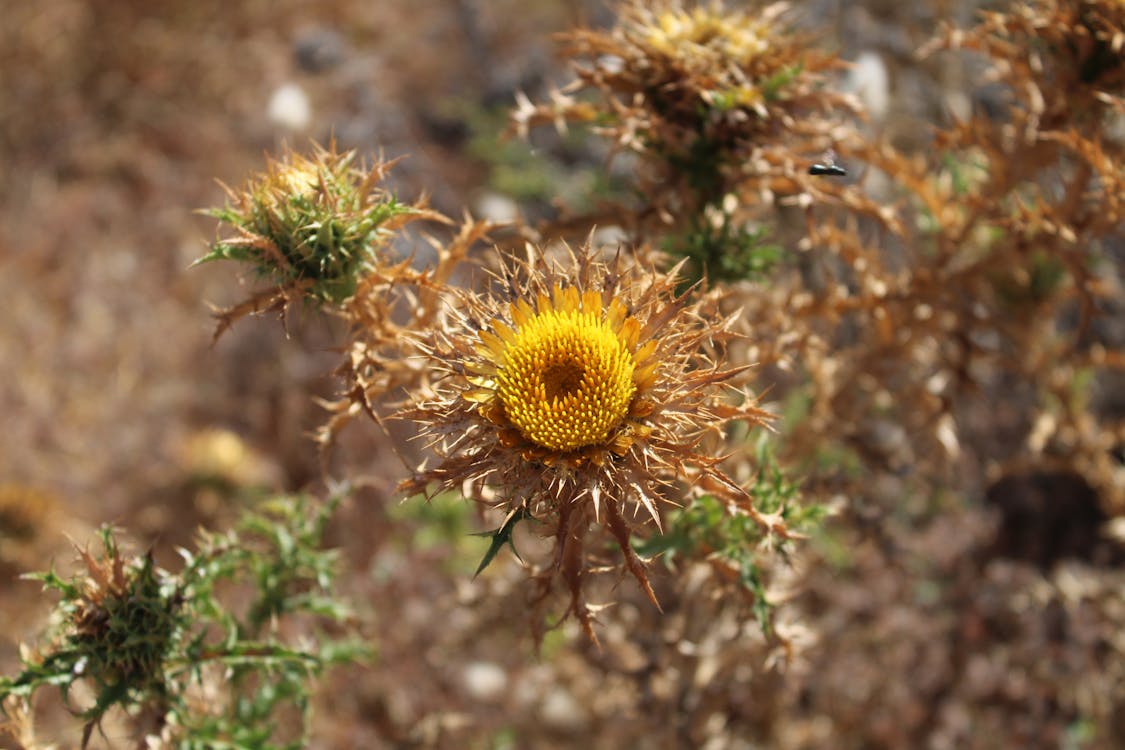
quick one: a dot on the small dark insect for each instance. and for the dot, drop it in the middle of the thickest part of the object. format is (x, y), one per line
(829, 167)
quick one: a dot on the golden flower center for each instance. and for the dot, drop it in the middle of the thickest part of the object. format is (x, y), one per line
(566, 379)
(734, 36)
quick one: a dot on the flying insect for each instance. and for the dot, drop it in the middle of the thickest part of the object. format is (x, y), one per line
(829, 167)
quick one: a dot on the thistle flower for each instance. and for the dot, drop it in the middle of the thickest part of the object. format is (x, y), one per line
(313, 226)
(677, 83)
(120, 618)
(717, 103)
(119, 601)
(582, 394)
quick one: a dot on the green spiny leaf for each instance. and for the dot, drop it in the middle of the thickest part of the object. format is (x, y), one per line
(500, 537)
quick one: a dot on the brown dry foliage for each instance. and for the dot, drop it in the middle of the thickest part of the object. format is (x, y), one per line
(939, 329)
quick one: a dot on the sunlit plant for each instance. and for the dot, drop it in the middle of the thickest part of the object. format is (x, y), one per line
(584, 393)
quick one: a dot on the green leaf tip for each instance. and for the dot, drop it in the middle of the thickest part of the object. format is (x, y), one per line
(500, 537)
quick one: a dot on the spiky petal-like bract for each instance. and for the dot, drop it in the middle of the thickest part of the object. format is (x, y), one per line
(582, 393)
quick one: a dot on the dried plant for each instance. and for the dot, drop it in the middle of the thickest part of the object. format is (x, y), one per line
(712, 100)
(1028, 227)
(988, 249)
(380, 357)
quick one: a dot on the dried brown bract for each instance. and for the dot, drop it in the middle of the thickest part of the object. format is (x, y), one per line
(979, 269)
(391, 309)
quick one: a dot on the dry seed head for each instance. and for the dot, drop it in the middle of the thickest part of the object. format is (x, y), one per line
(706, 30)
(702, 83)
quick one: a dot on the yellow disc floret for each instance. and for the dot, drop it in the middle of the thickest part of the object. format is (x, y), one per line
(566, 374)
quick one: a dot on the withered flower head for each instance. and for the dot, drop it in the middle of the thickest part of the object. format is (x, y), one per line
(582, 394)
(724, 110)
(706, 84)
(120, 618)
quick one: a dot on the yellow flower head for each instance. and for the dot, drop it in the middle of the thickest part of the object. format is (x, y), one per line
(566, 369)
(573, 392)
